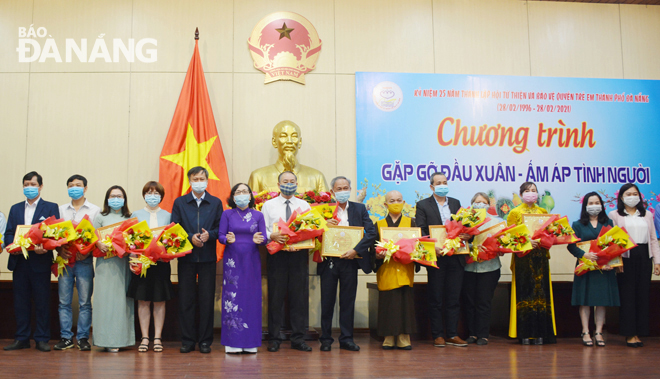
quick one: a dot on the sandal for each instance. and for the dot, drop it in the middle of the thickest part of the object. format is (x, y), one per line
(600, 343)
(158, 346)
(143, 346)
(586, 343)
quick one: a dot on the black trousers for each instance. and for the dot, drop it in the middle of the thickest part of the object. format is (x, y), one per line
(635, 292)
(344, 272)
(288, 274)
(444, 287)
(196, 282)
(28, 286)
(478, 291)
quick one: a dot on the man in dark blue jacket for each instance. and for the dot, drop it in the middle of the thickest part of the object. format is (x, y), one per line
(199, 214)
(345, 269)
(31, 277)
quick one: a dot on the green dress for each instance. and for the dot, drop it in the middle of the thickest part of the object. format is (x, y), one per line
(113, 318)
(595, 288)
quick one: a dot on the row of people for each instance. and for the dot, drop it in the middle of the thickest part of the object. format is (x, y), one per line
(242, 229)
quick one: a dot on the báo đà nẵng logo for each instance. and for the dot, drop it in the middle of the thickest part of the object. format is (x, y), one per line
(284, 46)
(387, 96)
(37, 45)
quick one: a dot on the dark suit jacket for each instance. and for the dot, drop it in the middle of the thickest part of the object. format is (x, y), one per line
(193, 219)
(359, 216)
(428, 214)
(37, 262)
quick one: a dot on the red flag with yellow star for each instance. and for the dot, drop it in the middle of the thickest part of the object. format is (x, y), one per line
(192, 141)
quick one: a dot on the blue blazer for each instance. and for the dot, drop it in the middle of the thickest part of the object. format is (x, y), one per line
(37, 262)
(193, 219)
(359, 216)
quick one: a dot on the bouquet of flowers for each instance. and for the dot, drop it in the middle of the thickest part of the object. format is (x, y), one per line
(114, 240)
(23, 245)
(513, 239)
(139, 264)
(407, 250)
(138, 238)
(86, 237)
(51, 233)
(555, 231)
(315, 197)
(328, 210)
(301, 226)
(60, 264)
(262, 197)
(173, 243)
(611, 243)
(465, 221)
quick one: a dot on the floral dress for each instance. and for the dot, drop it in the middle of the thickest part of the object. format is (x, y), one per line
(241, 287)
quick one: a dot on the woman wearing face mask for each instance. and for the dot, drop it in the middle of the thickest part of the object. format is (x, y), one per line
(112, 315)
(532, 312)
(156, 286)
(635, 278)
(595, 288)
(479, 283)
(242, 229)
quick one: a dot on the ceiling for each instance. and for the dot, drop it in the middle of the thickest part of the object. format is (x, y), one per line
(647, 2)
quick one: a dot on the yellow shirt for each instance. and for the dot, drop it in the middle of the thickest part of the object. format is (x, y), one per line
(515, 216)
(392, 275)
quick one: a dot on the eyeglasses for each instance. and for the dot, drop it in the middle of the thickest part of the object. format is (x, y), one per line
(116, 196)
(242, 192)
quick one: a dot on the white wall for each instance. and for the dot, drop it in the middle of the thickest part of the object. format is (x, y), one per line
(108, 121)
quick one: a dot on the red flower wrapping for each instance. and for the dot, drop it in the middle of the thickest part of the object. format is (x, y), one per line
(117, 238)
(78, 245)
(162, 253)
(406, 247)
(547, 239)
(610, 252)
(301, 235)
(36, 235)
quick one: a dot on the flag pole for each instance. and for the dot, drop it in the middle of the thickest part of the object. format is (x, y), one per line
(196, 33)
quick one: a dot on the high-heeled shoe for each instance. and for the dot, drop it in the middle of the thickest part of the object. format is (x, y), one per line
(586, 343)
(600, 343)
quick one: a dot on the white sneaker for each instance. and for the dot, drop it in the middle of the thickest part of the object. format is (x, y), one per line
(232, 350)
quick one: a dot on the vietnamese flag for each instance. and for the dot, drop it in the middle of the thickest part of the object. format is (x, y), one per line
(193, 141)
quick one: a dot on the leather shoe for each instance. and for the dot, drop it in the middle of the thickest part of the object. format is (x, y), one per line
(525, 341)
(273, 346)
(639, 344)
(482, 342)
(325, 346)
(456, 341)
(17, 345)
(408, 347)
(439, 342)
(631, 344)
(187, 348)
(204, 348)
(301, 346)
(42, 346)
(471, 339)
(350, 346)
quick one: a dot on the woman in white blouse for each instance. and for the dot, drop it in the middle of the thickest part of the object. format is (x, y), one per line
(635, 276)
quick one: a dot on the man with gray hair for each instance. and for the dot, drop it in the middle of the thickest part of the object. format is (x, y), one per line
(344, 270)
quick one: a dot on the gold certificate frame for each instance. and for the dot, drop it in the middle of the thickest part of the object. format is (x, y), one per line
(439, 232)
(302, 245)
(481, 237)
(615, 262)
(534, 221)
(337, 240)
(394, 234)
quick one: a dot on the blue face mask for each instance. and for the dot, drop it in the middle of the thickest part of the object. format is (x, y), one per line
(115, 203)
(342, 196)
(31, 192)
(242, 201)
(441, 190)
(199, 187)
(76, 192)
(152, 199)
(480, 206)
(288, 189)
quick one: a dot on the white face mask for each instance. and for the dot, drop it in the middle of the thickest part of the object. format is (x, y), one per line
(631, 201)
(594, 209)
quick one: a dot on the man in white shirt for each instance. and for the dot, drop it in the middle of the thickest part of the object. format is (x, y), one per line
(288, 271)
(81, 274)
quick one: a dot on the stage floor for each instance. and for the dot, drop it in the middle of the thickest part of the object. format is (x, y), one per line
(502, 358)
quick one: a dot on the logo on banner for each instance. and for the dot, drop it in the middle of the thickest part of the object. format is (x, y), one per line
(284, 46)
(387, 96)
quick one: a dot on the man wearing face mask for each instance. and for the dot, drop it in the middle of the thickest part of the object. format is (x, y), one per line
(199, 213)
(396, 300)
(81, 274)
(288, 271)
(31, 277)
(345, 269)
(444, 282)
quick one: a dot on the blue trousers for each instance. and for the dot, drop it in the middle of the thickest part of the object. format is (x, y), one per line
(30, 285)
(81, 275)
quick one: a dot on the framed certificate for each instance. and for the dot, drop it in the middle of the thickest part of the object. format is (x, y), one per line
(107, 230)
(534, 221)
(302, 245)
(439, 232)
(339, 239)
(395, 234)
(615, 262)
(481, 237)
(20, 232)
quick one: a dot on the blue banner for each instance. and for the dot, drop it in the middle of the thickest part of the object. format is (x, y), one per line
(492, 133)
